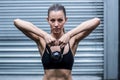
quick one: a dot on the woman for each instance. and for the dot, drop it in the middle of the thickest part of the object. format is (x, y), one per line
(57, 40)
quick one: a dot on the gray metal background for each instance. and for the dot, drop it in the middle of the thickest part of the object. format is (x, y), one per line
(19, 55)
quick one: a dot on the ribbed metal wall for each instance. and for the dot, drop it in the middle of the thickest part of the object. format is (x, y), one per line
(19, 54)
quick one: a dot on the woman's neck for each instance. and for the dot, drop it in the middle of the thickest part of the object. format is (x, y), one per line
(57, 35)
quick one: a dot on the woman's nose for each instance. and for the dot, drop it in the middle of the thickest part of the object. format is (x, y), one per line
(56, 24)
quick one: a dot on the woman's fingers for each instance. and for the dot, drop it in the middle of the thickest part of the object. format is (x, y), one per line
(62, 45)
(52, 41)
(64, 40)
(49, 39)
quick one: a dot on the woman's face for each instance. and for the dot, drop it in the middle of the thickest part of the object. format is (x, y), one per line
(56, 20)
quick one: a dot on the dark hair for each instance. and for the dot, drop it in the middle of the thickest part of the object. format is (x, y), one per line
(57, 7)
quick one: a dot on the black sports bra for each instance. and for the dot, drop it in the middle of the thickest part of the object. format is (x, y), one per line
(66, 62)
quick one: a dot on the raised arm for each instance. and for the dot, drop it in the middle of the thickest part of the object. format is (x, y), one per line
(81, 31)
(32, 31)
(84, 28)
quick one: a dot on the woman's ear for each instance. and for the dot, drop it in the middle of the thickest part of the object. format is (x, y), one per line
(66, 19)
(47, 19)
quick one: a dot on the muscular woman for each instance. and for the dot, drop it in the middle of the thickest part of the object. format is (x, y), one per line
(58, 40)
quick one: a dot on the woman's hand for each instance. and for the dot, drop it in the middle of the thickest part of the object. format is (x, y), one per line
(49, 39)
(64, 40)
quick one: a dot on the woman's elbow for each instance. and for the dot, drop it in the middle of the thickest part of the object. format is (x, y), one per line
(97, 20)
(16, 21)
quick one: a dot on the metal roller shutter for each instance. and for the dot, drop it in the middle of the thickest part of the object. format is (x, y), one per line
(19, 54)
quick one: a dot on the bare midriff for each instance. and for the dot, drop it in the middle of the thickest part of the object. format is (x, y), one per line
(57, 74)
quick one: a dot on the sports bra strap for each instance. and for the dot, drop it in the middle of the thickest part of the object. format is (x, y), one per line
(48, 48)
(62, 49)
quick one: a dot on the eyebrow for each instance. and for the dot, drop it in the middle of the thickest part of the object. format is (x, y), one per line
(57, 18)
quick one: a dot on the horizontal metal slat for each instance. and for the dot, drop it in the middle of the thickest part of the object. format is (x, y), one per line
(20, 73)
(35, 49)
(27, 1)
(71, 16)
(38, 56)
(45, 10)
(45, 4)
(44, 7)
(36, 13)
(31, 43)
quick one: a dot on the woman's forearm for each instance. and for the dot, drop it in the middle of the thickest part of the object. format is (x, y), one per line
(27, 26)
(85, 26)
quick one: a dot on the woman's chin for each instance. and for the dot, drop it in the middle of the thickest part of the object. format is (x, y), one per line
(56, 32)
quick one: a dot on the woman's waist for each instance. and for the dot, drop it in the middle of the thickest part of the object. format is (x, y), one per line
(58, 74)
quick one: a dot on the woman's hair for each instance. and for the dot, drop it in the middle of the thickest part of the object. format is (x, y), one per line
(57, 7)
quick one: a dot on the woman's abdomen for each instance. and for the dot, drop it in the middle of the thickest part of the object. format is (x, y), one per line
(57, 74)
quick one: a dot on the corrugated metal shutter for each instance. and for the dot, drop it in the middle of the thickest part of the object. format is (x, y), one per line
(19, 54)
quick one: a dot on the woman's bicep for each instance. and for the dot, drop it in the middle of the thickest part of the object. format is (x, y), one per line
(82, 35)
(86, 28)
(30, 35)
(25, 26)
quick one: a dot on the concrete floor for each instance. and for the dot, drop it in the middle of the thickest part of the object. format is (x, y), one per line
(37, 77)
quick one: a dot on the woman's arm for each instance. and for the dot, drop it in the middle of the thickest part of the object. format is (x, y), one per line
(84, 28)
(80, 31)
(32, 31)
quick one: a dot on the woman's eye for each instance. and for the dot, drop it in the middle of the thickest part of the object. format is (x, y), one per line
(52, 20)
(60, 20)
